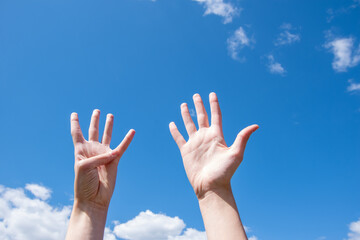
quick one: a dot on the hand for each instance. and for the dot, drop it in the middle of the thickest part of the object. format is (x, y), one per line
(209, 163)
(95, 162)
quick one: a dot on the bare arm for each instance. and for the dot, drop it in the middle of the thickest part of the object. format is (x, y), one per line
(210, 164)
(95, 176)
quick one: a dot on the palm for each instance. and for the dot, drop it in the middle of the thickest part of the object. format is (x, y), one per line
(206, 160)
(209, 163)
(99, 182)
(95, 162)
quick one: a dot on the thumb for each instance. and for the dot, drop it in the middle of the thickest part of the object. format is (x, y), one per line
(108, 157)
(240, 142)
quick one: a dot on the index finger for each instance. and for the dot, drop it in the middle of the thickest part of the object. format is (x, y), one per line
(76, 133)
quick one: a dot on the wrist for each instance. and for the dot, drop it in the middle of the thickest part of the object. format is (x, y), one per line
(223, 190)
(87, 221)
(90, 208)
(220, 214)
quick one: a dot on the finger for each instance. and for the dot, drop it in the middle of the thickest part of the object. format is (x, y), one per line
(94, 126)
(179, 139)
(202, 116)
(108, 157)
(242, 138)
(189, 123)
(106, 139)
(121, 148)
(216, 118)
(76, 133)
(98, 160)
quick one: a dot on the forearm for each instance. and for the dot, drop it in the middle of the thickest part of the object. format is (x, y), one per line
(86, 222)
(220, 215)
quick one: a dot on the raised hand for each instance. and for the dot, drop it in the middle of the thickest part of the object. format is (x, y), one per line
(95, 162)
(208, 161)
(95, 176)
(209, 164)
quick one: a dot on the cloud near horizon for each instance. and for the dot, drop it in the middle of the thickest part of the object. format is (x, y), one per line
(27, 218)
(354, 233)
(25, 214)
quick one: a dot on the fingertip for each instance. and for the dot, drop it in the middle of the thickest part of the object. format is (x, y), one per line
(183, 105)
(74, 116)
(196, 96)
(110, 116)
(96, 111)
(213, 96)
(132, 132)
(255, 126)
(172, 125)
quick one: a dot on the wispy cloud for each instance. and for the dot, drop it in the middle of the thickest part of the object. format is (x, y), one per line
(343, 10)
(275, 67)
(192, 112)
(353, 86)
(287, 36)
(354, 233)
(236, 42)
(321, 238)
(220, 8)
(346, 55)
(248, 230)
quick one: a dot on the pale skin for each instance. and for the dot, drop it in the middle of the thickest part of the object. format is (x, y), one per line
(95, 176)
(210, 164)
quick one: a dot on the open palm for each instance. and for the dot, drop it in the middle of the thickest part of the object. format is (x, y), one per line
(95, 162)
(209, 163)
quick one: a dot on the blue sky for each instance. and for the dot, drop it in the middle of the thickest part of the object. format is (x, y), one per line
(290, 66)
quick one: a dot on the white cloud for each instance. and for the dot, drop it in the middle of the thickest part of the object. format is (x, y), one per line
(345, 54)
(22, 217)
(148, 225)
(354, 233)
(220, 8)
(25, 217)
(109, 235)
(236, 42)
(275, 67)
(353, 87)
(253, 238)
(39, 191)
(286, 37)
(190, 234)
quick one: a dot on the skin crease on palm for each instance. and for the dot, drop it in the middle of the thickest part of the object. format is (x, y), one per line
(209, 163)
